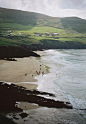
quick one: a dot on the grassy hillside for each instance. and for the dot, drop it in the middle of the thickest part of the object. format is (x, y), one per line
(74, 23)
(23, 18)
(23, 27)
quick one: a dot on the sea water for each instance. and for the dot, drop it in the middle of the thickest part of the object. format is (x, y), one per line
(70, 69)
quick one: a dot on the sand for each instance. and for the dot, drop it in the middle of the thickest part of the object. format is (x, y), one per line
(14, 71)
(27, 106)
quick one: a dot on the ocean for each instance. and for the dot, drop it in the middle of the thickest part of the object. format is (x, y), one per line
(69, 68)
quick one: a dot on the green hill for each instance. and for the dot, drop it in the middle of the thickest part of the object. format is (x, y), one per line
(24, 18)
(19, 29)
(74, 23)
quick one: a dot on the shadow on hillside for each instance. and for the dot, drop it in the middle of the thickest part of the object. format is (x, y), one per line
(74, 23)
(16, 17)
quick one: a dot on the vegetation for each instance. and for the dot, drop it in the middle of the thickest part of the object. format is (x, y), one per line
(19, 28)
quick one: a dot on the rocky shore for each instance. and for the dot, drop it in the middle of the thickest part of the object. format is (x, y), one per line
(11, 93)
(51, 111)
(26, 102)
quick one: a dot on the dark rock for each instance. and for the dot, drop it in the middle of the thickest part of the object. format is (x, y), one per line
(23, 115)
(9, 96)
(15, 52)
(15, 118)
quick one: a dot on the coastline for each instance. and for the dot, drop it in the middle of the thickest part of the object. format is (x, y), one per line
(37, 113)
(14, 72)
(46, 83)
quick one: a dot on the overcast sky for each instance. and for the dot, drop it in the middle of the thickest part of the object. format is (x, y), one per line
(56, 8)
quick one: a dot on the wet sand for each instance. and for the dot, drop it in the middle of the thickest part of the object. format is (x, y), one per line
(50, 116)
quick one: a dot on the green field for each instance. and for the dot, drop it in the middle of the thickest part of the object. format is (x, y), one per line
(24, 25)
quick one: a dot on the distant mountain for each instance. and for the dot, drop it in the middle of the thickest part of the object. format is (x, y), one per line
(35, 19)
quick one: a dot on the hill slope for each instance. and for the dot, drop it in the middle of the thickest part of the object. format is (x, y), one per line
(26, 30)
(34, 19)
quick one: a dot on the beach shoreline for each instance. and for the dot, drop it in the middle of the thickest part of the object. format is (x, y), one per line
(14, 72)
(21, 73)
(22, 70)
(40, 105)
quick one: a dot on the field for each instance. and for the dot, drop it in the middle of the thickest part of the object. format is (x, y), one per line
(24, 26)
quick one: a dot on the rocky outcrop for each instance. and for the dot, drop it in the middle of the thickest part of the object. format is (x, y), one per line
(15, 52)
(10, 94)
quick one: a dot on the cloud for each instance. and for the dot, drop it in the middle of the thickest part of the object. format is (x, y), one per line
(56, 8)
(11, 4)
(73, 4)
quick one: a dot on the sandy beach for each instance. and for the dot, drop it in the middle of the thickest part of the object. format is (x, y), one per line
(39, 106)
(14, 71)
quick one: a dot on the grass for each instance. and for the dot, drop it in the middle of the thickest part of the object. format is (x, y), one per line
(17, 41)
(83, 40)
(15, 26)
(27, 23)
(7, 42)
(30, 40)
(22, 20)
(61, 32)
(42, 30)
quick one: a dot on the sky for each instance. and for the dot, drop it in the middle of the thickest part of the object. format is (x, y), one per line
(55, 8)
